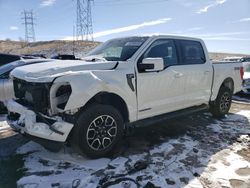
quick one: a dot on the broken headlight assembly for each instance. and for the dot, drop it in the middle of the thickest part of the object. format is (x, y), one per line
(34, 96)
(60, 94)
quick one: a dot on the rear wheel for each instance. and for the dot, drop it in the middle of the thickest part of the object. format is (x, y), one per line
(222, 104)
(98, 130)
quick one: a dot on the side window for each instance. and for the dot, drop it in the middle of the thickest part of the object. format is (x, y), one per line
(163, 49)
(192, 52)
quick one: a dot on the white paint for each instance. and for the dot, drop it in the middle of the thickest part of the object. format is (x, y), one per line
(174, 88)
(3, 124)
(37, 129)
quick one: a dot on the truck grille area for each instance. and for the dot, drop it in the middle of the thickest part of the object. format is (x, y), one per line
(34, 96)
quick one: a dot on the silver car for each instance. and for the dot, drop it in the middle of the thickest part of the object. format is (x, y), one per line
(6, 85)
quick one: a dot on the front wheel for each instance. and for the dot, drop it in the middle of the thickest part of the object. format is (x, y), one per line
(222, 104)
(98, 130)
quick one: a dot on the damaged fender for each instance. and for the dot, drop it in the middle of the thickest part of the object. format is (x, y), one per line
(87, 84)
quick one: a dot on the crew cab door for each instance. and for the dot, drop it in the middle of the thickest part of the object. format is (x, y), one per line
(162, 91)
(197, 70)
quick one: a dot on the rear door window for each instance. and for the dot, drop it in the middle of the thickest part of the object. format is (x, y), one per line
(191, 52)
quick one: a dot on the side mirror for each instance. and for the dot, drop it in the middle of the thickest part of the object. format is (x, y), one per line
(151, 65)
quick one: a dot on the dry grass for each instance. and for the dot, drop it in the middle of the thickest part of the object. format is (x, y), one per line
(49, 48)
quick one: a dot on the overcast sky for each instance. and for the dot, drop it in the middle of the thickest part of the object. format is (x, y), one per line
(223, 24)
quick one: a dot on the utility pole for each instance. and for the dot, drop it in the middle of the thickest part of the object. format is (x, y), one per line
(28, 18)
(73, 48)
(84, 27)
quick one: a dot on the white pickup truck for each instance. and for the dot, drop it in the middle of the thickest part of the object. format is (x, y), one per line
(122, 83)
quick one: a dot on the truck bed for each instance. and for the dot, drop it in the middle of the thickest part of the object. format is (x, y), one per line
(226, 70)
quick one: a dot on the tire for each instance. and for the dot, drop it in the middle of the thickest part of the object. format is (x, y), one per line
(222, 104)
(97, 131)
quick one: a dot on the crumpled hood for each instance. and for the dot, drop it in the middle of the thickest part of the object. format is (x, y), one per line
(47, 72)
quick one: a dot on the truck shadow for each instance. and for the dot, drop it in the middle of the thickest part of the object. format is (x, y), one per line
(11, 164)
(176, 152)
(189, 144)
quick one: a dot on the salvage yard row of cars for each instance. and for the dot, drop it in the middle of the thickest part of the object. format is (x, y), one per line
(123, 83)
(9, 62)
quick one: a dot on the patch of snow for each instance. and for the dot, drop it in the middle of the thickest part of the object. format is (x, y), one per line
(245, 113)
(225, 169)
(3, 124)
(206, 154)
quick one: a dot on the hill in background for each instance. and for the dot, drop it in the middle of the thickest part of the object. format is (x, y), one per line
(50, 48)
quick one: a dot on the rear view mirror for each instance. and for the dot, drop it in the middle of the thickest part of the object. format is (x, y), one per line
(151, 65)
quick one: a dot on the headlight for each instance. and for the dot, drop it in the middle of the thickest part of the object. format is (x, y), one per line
(62, 94)
(64, 90)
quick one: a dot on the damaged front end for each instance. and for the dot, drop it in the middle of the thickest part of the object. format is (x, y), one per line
(35, 110)
(34, 96)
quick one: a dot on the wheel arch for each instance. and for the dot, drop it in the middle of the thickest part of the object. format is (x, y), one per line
(111, 99)
(229, 83)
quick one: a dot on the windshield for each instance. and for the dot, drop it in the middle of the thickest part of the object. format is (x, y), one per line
(118, 49)
(9, 66)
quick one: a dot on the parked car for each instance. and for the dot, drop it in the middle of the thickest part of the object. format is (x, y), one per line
(245, 59)
(8, 58)
(246, 81)
(6, 85)
(33, 56)
(232, 59)
(123, 83)
(64, 57)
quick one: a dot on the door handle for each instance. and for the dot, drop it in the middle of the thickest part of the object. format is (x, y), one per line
(178, 75)
(206, 72)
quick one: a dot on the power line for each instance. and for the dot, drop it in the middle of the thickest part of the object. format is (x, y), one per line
(28, 18)
(84, 27)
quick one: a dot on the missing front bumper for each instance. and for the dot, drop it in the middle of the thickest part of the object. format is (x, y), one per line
(38, 125)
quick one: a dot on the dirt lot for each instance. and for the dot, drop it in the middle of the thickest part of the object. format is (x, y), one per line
(193, 151)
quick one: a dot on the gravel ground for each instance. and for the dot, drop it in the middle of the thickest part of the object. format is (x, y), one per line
(193, 151)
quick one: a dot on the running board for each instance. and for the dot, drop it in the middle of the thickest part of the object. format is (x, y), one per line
(168, 116)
